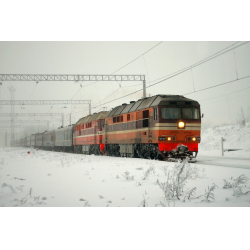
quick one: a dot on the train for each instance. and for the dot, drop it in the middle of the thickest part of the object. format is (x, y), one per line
(162, 127)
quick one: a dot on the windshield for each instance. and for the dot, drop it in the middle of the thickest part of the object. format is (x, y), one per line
(190, 113)
(178, 113)
(171, 113)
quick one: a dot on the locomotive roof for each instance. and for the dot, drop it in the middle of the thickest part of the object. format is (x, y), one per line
(157, 100)
(93, 117)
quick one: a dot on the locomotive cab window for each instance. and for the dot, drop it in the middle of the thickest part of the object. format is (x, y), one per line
(190, 113)
(171, 113)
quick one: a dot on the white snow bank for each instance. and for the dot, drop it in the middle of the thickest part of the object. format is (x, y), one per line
(56, 179)
(237, 137)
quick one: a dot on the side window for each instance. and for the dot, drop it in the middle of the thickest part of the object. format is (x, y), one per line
(155, 113)
(133, 124)
(128, 117)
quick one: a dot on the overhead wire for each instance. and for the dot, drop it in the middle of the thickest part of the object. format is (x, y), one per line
(33, 90)
(224, 95)
(221, 52)
(124, 67)
(203, 60)
(197, 64)
(137, 57)
(226, 99)
(218, 85)
(184, 94)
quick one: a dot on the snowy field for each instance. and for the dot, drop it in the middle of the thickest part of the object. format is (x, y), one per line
(237, 137)
(52, 179)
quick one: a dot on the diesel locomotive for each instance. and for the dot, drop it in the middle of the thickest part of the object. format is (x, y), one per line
(164, 127)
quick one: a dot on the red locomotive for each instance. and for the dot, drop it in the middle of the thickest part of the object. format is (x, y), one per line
(158, 127)
(88, 134)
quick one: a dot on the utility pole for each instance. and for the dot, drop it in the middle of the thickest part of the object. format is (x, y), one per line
(222, 148)
(12, 90)
(62, 120)
(70, 119)
(144, 88)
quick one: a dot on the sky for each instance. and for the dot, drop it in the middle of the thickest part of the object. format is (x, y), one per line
(107, 57)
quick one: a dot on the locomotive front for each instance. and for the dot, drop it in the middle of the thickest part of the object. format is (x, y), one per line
(179, 125)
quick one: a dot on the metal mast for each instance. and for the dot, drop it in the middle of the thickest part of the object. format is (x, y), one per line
(75, 78)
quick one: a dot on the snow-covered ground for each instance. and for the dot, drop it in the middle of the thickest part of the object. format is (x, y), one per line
(237, 137)
(54, 179)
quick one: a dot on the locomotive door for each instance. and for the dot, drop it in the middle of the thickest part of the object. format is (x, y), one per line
(95, 131)
(105, 136)
(150, 121)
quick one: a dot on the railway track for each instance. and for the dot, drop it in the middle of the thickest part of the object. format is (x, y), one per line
(224, 161)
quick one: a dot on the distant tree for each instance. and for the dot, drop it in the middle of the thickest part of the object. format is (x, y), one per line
(241, 117)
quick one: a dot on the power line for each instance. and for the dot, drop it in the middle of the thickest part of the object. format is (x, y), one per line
(5, 91)
(186, 69)
(226, 99)
(224, 95)
(197, 62)
(138, 57)
(221, 52)
(33, 90)
(184, 94)
(217, 85)
(125, 66)
(76, 93)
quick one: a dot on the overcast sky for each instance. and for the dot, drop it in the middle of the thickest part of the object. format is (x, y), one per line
(107, 57)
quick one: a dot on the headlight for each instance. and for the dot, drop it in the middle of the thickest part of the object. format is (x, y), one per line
(193, 139)
(181, 125)
(169, 138)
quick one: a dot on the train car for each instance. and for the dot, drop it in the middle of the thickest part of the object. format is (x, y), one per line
(157, 127)
(33, 140)
(28, 141)
(88, 134)
(163, 127)
(39, 140)
(49, 140)
(64, 139)
(23, 142)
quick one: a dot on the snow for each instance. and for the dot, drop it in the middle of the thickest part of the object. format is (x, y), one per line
(53, 179)
(237, 137)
